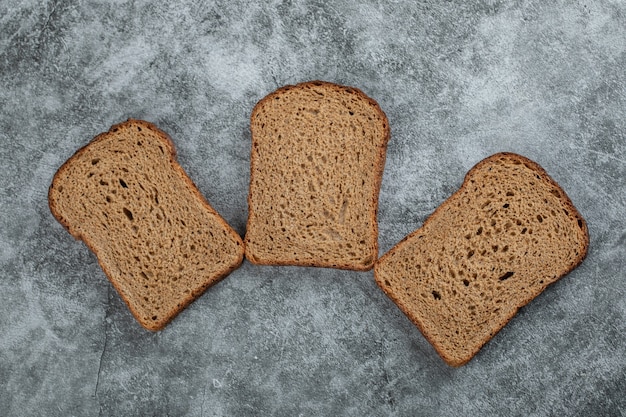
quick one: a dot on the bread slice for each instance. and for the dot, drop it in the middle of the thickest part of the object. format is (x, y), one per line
(318, 152)
(156, 238)
(488, 250)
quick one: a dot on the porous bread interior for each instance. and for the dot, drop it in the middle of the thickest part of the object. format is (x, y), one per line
(493, 246)
(158, 241)
(316, 165)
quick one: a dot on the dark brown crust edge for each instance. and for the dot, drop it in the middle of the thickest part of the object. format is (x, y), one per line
(192, 187)
(382, 154)
(573, 214)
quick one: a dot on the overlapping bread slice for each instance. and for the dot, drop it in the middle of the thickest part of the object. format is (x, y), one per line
(488, 250)
(157, 239)
(318, 152)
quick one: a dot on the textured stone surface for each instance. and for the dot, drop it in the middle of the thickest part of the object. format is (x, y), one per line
(458, 80)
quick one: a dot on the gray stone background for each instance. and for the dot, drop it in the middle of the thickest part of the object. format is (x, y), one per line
(458, 80)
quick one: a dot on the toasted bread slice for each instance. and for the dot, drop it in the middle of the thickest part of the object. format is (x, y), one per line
(318, 152)
(157, 239)
(488, 250)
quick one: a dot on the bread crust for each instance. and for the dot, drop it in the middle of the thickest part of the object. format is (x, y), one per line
(451, 360)
(379, 168)
(167, 141)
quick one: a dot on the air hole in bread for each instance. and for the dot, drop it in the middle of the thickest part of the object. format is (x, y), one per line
(103, 182)
(95, 161)
(123, 183)
(524, 230)
(128, 213)
(539, 218)
(470, 253)
(436, 295)
(510, 193)
(506, 276)
(479, 231)
(466, 283)
(580, 223)
(506, 205)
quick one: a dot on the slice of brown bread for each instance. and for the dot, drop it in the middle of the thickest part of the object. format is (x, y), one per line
(318, 152)
(488, 250)
(157, 239)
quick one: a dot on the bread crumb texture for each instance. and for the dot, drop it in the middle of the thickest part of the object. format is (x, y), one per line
(488, 250)
(156, 238)
(318, 152)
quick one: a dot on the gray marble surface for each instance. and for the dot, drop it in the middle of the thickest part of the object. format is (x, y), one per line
(458, 81)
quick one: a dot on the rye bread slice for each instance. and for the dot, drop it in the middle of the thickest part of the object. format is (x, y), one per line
(157, 239)
(489, 249)
(318, 152)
